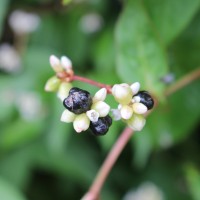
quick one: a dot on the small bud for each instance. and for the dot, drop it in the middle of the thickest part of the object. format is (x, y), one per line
(92, 115)
(136, 122)
(122, 93)
(66, 63)
(135, 99)
(63, 91)
(116, 114)
(126, 112)
(102, 108)
(55, 63)
(81, 123)
(52, 84)
(135, 87)
(67, 116)
(139, 108)
(100, 95)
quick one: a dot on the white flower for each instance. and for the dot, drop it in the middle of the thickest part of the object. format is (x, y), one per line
(91, 23)
(92, 115)
(59, 65)
(63, 64)
(98, 109)
(9, 58)
(29, 105)
(23, 22)
(130, 108)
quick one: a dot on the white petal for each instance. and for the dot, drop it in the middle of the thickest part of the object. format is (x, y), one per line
(55, 63)
(93, 115)
(135, 87)
(66, 63)
(81, 123)
(67, 116)
(102, 108)
(137, 122)
(126, 112)
(100, 95)
(116, 114)
(63, 90)
(139, 108)
(122, 93)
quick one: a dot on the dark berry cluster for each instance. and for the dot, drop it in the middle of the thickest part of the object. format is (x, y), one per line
(80, 101)
(101, 127)
(146, 99)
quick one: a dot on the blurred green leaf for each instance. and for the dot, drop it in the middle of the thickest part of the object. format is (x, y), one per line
(103, 54)
(140, 56)
(171, 17)
(193, 180)
(3, 8)
(66, 2)
(8, 192)
(21, 159)
(59, 132)
(18, 133)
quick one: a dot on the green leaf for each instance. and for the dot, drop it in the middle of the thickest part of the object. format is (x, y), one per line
(59, 132)
(8, 192)
(140, 56)
(66, 2)
(18, 133)
(169, 124)
(171, 17)
(193, 179)
(3, 9)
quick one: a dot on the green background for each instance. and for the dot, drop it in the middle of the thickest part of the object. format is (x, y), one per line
(138, 40)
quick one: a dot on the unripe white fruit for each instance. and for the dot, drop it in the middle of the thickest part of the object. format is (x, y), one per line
(81, 123)
(139, 108)
(102, 108)
(126, 112)
(122, 93)
(136, 122)
(100, 95)
(135, 88)
(63, 90)
(52, 84)
(67, 116)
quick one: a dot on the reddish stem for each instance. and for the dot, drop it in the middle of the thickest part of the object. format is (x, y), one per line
(91, 82)
(94, 191)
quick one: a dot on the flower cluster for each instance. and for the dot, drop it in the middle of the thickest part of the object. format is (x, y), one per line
(85, 111)
(132, 104)
(59, 84)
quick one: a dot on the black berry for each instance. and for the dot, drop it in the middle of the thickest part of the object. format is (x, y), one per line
(78, 101)
(146, 99)
(101, 127)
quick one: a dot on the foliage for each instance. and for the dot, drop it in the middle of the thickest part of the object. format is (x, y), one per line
(135, 40)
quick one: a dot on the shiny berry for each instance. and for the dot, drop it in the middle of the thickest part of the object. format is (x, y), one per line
(101, 127)
(146, 99)
(78, 101)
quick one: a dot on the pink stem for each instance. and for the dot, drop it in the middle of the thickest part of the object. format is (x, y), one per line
(94, 191)
(91, 82)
